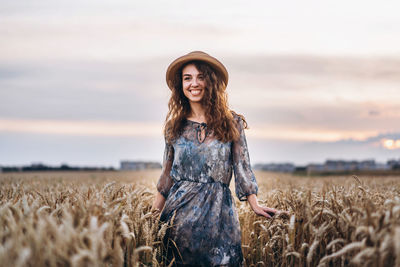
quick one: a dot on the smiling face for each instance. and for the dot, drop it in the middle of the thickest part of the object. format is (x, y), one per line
(193, 83)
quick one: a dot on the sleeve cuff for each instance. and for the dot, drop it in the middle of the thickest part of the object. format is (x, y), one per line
(243, 197)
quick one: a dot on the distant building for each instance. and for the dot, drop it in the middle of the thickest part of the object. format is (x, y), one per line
(345, 166)
(139, 165)
(275, 167)
(393, 164)
(340, 165)
(367, 165)
(315, 168)
(383, 167)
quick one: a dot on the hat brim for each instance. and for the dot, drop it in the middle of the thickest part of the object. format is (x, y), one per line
(200, 56)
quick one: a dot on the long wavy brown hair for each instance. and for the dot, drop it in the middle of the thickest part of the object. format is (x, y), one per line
(215, 102)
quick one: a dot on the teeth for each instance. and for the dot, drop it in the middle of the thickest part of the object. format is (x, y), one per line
(195, 92)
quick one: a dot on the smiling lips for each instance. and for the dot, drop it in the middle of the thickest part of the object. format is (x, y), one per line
(195, 92)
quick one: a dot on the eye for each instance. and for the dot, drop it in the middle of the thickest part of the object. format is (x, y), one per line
(186, 78)
(201, 78)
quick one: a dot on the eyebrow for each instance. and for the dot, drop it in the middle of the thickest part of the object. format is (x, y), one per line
(187, 74)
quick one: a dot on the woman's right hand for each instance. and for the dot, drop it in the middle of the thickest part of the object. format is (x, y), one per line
(158, 203)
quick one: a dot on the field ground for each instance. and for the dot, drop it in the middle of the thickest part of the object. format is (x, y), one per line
(104, 219)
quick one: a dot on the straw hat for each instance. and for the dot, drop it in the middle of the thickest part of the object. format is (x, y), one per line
(195, 55)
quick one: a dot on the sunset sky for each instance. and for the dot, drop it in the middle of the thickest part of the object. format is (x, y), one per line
(83, 82)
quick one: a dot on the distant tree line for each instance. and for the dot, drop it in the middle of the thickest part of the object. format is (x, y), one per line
(43, 167)
(335, 167)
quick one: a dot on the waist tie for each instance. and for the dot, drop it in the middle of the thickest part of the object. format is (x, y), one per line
(199, 182)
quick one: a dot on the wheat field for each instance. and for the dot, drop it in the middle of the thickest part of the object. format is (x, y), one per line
(104, 219)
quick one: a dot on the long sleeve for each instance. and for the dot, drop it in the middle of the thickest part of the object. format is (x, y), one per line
(165, 181)
(245, 181)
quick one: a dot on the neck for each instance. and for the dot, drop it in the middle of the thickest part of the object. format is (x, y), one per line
(197, 111)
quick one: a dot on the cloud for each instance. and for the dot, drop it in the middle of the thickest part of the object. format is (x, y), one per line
(304, 152)
(133, 29)
(82, 128)
(346, 116)
(379, 137)
(84, 91)
(135, 91)
(306, 82)
(353, 67)
(374, 113)
(10, 72)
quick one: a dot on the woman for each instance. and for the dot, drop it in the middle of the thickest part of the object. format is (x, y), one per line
(205, 141)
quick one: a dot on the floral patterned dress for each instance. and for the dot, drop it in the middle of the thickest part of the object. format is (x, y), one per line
(195, 182)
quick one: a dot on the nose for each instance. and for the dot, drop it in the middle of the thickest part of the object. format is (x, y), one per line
(195, 82)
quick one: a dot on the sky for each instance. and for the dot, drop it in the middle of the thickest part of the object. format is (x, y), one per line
(83, 82)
